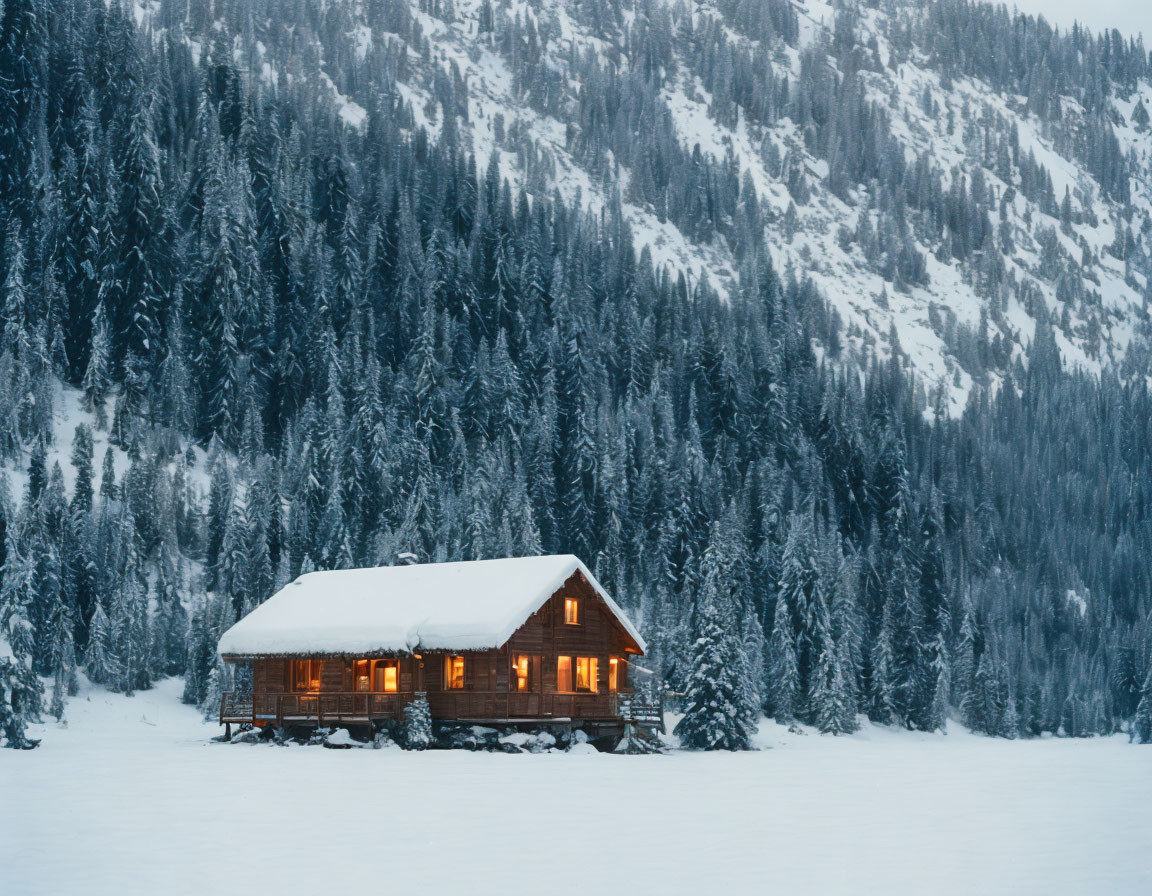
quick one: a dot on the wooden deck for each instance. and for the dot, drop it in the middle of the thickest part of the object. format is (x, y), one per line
(473, 707)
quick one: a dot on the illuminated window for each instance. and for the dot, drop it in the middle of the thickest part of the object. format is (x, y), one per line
(306, 674)
(454, 673)
(522, 666)
(586, 674)
(571, 611)
(613, 674)
(585, 668)
(384, 676)
(361, 681)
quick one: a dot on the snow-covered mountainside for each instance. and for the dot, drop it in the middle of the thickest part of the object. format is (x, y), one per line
(929, 192)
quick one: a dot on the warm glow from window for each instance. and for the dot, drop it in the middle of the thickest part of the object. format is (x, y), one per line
(613, 674)
(384, 676)
(571, 611)
(454, 672)
(306, 674)
(585, 667)
(522, 673)
(360, 678)
(586, 673)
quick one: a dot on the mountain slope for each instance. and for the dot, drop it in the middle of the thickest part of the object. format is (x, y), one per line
(936, 204)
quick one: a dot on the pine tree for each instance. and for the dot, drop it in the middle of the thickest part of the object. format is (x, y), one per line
(170, 630)
(23, 37)
(882, 700)
(930, 707)
(131, 619)
(199, 652)
(834, 710)
(137, 288)
(100, 661)
(20, 689)
(837, 701)
(988, 706)
(719, 714)
(964, 665)
(98, 374)
(801, 591)
(417, 723)
(1142, 725)
(902, 623)
(82, 454)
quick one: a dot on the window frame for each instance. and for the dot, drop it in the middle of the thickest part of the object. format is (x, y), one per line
(367, 676)
(374, 668)
(385, 665)
(309, 665)
(592, 671)
(572, 603)
(449, 661)
(529, 678)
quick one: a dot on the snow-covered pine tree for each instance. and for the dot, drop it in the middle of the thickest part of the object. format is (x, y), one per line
(23, 50)
(931, 704)
(1010, 718)
(834, 699)
(100, 661)
(132, 619)
(97, 382)
(964, 664)
(1142, 724)
(417, 724)
(802, 590)
(200, 650)
(170, 628)
(82, 454)
(988, 704)
(20, 689)
(782, 687)
(882, 703)
(108, 489)
(833, 710)
(720, 714)
(62, 648)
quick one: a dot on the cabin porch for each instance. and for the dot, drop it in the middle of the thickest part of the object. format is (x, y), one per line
(471, 707)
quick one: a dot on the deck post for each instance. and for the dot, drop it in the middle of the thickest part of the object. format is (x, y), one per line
(227, 731)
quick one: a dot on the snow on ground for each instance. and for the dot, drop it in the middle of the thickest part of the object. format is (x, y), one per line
(133, 798)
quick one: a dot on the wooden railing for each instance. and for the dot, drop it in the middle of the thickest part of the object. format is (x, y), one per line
(641, 710)
(489, 706)
(235, 707)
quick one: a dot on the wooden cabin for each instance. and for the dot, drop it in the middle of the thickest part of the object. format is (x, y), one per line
(517, 642)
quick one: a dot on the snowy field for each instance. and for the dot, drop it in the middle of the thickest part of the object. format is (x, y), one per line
(132, 798)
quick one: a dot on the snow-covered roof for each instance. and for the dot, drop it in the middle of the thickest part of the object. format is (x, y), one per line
(474, 605)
